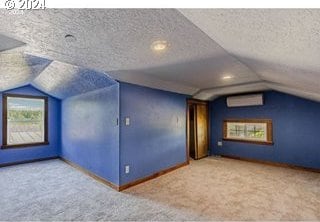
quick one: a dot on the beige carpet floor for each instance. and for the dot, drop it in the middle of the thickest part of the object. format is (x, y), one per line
(208, 189)
(226, 189)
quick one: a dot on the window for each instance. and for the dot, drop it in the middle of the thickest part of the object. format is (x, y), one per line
(25, 120)
(248, 130)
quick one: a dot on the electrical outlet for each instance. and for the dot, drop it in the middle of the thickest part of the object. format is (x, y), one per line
(127, 169)
(219, 143)
(127, 121)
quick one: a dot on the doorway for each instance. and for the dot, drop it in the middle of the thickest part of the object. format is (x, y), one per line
(197, 129)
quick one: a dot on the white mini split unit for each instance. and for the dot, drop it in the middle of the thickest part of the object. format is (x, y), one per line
(245, 100)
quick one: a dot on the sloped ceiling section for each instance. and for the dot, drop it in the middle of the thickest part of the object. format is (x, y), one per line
(293, 91)
(63, 80)
(7, 43)
(282, 46)
(259, 49)
(118, 42)
(211, 94)
(19, 69)
(57, 79)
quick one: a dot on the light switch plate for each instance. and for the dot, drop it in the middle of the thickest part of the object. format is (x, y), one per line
(127, 169)
(219, 143)
(127, 121)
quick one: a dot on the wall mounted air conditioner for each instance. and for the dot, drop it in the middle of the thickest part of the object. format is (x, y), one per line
(245, 100)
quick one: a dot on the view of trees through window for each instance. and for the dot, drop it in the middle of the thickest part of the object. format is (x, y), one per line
(252, 130)
(25, 120)
(249, 131)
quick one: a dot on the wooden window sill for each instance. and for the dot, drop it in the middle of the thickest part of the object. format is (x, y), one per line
(13, 146)
(270, 143)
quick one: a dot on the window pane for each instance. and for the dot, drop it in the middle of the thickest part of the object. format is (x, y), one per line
(250, 131)
(25, 120)
(256, 131)
(236, 130)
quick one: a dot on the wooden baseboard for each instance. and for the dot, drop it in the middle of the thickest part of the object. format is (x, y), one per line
(272, 163)
(98, 178)
(155, 175)
(27, 161)
(94, 176)
(126, 186)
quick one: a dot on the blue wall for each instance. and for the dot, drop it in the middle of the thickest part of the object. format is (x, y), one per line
(36, 152)
(156, 137)
(296, 131)
(89, 132)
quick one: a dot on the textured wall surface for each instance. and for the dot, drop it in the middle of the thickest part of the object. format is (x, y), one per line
(156, 137)
(89, 132)
(36, 152)
(295, 130)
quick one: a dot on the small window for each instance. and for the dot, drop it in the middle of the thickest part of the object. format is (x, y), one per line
(248, 130)
(25, 120)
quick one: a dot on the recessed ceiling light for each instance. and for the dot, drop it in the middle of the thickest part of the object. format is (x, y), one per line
(70, 38)
(159, 46)
(227, 77)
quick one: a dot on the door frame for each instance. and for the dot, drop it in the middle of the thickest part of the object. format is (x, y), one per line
(189, 102)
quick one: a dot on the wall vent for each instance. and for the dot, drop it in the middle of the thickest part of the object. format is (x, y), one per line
(245, 100)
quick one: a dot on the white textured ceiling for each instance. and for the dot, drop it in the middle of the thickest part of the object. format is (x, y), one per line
(211, 94)
(118, 42)
(261, 49)
(7, 43)
(18, 69)
(63, 80)
(58, 79)
(282, 45)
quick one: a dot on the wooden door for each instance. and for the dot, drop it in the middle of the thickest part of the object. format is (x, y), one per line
(192, 131)
(202, 142)
(197, 129)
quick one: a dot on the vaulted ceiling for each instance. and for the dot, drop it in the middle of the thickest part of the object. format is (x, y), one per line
(259, 49)
(57, 79)
(281, 46)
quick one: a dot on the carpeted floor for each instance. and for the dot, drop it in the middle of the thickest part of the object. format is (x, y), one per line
(208, 189)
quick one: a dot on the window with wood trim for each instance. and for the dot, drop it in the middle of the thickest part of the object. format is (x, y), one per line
(248, 130)
(25, 120)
